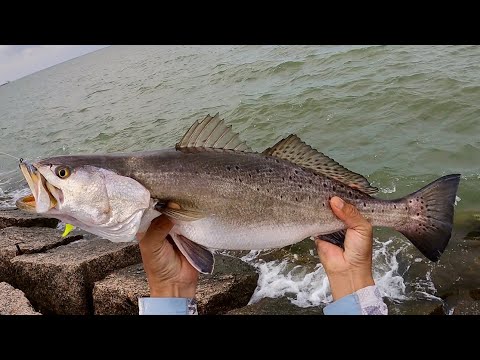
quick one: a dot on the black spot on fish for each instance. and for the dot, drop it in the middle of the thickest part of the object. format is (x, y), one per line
(418, 214)
(258, 189)
(300, 186)
(373, 210)
(394, 206)
(258, 170)
(364, 205)
(228, 168)
(296, 172)
(333, 188)
(276, 160)
(310, 181)
(236, 167)
(324, 185)
(290, 177)
(296, 199)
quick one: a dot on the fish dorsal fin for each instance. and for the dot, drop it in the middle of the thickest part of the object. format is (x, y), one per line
(296, 151)
(212, 133)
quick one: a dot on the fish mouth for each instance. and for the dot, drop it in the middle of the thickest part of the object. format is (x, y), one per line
(44, 195)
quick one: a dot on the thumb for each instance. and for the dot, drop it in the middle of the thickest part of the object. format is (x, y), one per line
(349, 214)
(156, 233)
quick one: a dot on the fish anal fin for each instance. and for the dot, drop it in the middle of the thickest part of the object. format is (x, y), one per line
(336, 238)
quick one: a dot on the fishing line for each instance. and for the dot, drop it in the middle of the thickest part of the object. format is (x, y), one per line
(16, 158)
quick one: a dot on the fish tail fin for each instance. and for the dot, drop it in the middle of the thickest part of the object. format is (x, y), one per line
(431, 212)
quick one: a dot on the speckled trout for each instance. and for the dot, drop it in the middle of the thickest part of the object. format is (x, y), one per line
(222, 195)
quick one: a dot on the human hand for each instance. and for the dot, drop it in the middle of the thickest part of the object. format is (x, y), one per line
(348, 269)
(168, 272)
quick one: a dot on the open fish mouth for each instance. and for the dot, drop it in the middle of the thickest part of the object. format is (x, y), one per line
(44, 195)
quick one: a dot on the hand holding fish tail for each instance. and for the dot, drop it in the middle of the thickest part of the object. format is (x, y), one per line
(348, 269)
(168, 272)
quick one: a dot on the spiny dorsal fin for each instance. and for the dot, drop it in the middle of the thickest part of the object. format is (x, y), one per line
(212, 133)
(296, 151)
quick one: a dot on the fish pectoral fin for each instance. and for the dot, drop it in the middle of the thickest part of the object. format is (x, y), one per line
(293, 149)
(182, 214)
(197, 255)
(336, 238)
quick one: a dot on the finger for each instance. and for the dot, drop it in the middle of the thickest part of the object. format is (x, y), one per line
(349, 214)
(327, 251)
(156, 232)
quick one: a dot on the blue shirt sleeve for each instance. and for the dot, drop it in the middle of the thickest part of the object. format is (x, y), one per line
(164, 306)
(347, 305)
(365, 301)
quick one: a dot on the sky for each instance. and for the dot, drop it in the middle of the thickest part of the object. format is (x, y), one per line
(17, 61)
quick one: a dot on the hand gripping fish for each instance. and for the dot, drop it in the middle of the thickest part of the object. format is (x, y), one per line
(222, 195)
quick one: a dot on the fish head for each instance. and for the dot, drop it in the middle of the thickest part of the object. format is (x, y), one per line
(93, 198)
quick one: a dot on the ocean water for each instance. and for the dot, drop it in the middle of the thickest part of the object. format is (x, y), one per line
(400, 115)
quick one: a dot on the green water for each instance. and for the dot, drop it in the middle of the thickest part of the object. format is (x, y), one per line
(400, 115)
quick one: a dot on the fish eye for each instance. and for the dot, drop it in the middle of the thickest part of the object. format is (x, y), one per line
(63, 172)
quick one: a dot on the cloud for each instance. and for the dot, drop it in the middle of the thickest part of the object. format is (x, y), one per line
(17, 61)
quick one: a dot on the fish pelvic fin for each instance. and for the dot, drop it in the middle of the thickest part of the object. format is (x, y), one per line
(431, 212)
(197, 255)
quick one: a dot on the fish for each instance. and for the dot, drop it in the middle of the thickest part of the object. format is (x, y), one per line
(222, 195)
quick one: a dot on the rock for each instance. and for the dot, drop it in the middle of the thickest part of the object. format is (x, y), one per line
(231, 285)
(16, 217)
(415, 307)
(277, 306)
(463, 302)
(467, 307)
(475, 294)
(118, 293)
(60, 280)
(14, 302)
(18, 240)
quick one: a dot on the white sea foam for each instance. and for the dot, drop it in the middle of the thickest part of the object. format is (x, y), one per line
(388, 190)
(307, 287)
(7, 199)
